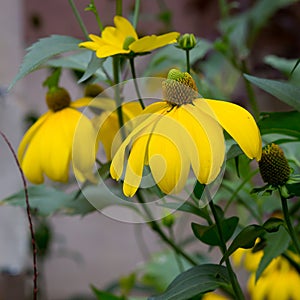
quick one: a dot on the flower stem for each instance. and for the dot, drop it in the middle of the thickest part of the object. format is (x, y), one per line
(188, 67)
(33, 242)
(136, 12)
(95, 11)
(177, 255)
(289, 225)
(131, 60)
(155, 227)
(119, 10)
(116, 65)
(79, 19)
(234, 282)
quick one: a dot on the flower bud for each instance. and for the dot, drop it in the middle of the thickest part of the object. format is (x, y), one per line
(187, 41)
(57, 98)
(273, 166)
(168, 221)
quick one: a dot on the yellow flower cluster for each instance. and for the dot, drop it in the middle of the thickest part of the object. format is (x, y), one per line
(280, 280)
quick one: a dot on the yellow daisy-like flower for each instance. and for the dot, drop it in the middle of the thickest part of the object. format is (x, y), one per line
(123, 39)
(214, 296)
(108, 125)
(181, 132)
(279, 281)
(46, 147)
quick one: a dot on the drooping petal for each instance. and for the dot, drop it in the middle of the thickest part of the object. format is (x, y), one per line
(151, 42)
(208, 151)
(240, 124)
(55, 144)
(135, 165)
(124, 26)
(167, 159)
(30, 133)
(118, 151)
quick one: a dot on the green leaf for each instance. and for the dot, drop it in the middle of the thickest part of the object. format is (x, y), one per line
(102, 295)
(187, 207)
(161, 270)
(294, 189)
(284, 91)
(42, 50)
(195, 281)
(286, 66)
(273, 224)
(234, 151)
(93, 66)
(47, 201)
(277, 243)
(245, 239)
(209, 234)
(280, 122)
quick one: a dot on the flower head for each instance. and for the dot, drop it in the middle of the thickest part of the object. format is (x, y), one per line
(46, 147)
(274, 167)
(181, 132)
(123, 39)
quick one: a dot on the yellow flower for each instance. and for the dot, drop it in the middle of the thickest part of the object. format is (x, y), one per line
(279, 281)
(213, 296)
(108, 125)
(246, 257)
(123, 39)
(46, 147)
(181, 132)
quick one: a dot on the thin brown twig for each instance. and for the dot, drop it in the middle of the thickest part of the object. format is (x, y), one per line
(33, 242)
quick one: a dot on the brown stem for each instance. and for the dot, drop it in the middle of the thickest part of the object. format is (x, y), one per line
(33, 242)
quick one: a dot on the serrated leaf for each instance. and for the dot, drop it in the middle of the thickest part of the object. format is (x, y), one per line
(42, 50)
(209, 234)
(276, 244)
(245, 239)
(286, 92)
(195, 281)
(280, 122)
(48, 201)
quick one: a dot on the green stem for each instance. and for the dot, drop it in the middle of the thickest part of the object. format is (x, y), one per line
(234, 282)
(131, 60)
(119, 10)
(95, 11)
(79, 20)
(116, 65)
(224, 10)
(289, 225)
(188, 67)
(250, 91)
(155, 227)
(136, 12)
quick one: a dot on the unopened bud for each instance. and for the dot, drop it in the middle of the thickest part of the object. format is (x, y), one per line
(187, 41)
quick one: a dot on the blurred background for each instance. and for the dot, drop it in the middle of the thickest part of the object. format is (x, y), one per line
(96, 249)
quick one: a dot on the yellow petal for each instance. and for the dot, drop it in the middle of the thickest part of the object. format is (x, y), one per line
(125, 27)
(240, 124)
(151, 42)
(135, 165)
(143, 120)
(84, 147)
(167, 159)
(207, 154)
(30, 133)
